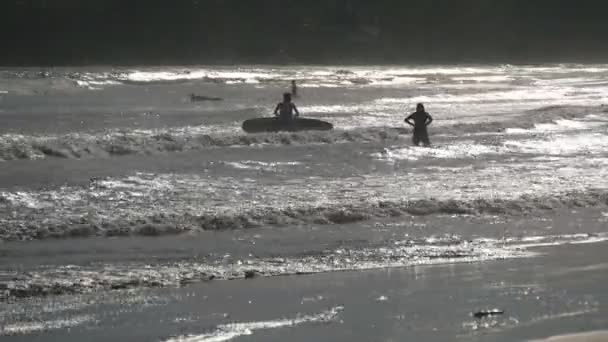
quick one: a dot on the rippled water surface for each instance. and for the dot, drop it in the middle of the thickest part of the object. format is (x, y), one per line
(113, 179)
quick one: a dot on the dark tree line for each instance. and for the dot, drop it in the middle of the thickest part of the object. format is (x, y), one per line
(52, 32)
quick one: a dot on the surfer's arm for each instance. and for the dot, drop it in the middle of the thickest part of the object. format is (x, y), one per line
(429, 119)
(295, 109)
(407, 120)
(276, 110)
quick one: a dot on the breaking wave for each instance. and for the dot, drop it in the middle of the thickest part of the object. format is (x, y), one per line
(14, 147)
(322, 77)
(44, 226)
(128, 142)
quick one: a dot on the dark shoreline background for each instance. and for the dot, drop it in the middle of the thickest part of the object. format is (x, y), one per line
(153, 32)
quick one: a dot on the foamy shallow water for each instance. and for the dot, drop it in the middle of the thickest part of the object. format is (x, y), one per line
(535, 301)
(231, 331)
(589, 337)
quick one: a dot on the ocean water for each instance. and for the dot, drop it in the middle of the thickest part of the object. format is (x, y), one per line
(113, 179)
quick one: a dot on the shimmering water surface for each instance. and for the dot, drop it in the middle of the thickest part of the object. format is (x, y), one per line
(147, 189)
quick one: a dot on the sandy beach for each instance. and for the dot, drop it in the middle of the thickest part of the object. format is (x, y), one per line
(559, 291)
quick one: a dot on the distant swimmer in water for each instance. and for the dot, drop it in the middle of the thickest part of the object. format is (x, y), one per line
(294, 89)
(285, 110)
(421, 119)
(195, 98)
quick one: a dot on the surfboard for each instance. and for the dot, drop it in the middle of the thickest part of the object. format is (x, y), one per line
(259, 125)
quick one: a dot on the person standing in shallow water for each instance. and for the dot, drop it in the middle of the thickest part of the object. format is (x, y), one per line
(294, 89)
(285, 110)
(420, 119)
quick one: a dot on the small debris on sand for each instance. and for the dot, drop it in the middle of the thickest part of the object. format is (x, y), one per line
(487, 313)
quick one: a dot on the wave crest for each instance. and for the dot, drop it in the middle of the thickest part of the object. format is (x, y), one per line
(15, 147)
(117, 143)
(164, 224)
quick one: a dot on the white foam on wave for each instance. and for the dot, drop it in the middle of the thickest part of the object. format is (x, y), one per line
(586, 144)
(226, 332)
(23, 199)
(557, 240)
(597, 118)
(354, 108)
(29, 144)
(245, 75)
(461, 150)
(95, 85)
(177, 194)
(557, 126)
(533, 94)
(318, 85)
(359, 76)
(362, 115)
(25, 328)
(396, 81)
(484, 78)
(441, 70)
(136, 183)
(570, 81)
(590, 143)
(94, 81)
(563, 68)
(185, 131)
(261, 166)
(322, 73)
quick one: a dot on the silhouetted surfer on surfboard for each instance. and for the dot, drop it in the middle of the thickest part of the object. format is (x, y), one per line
(285, 110)
(286, 118)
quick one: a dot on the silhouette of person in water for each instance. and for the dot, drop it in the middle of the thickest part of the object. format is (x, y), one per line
(421, 119)
(285, 110)
(294, 88)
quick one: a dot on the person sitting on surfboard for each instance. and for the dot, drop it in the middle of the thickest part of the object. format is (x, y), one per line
(421, 120)
(285, 110)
